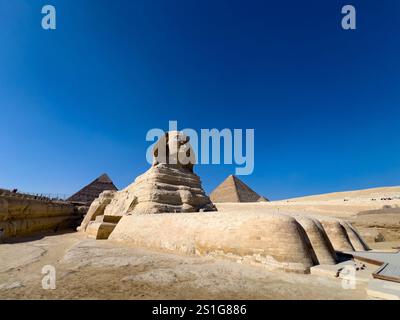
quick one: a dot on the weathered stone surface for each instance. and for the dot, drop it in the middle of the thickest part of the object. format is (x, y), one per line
(97, 208)
(174, 149)
(22, 215)
(169, 186)
(272, 240)
(323, 270)
(336, 234)
(27, 254)
(100, 230)
(343, 235)
(283, 241)
(319, 241)
(92, 269)
(355, 238)
(163, 188)
(386, 290)
(102, 227)
(235, 190)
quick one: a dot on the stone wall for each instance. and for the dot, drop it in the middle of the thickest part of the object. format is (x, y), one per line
(23, 215)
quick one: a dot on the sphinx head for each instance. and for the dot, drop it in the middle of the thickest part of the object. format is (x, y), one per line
(174, 148)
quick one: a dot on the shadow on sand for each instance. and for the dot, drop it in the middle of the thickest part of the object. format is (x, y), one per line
(37, 236)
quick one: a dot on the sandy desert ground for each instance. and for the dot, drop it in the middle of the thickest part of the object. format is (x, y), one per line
(89, 269)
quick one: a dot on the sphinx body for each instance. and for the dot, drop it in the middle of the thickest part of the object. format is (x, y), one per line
(160, 210)
(169, 186)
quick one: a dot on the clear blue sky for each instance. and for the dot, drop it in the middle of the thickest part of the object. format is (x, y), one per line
(78, 101)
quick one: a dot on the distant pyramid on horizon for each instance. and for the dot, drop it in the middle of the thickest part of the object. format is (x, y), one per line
(90, 192)
(235, 190)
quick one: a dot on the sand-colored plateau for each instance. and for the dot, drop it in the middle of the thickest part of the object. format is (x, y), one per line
(372, 194)
(90, 269)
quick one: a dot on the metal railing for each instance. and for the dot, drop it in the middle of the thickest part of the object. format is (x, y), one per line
(35, 195)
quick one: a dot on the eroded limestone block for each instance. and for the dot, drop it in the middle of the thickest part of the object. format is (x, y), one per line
(25, 227)
(22, 215)
(97, 208)
(100, 230)
(170, 185)
(102, 227)
(337, 234)
(319, 241)
(355, 238)
(272, 240)
(164, 188)
(174, 149)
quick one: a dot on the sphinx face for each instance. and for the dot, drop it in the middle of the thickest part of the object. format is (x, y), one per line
(174, 148)
(176, 141)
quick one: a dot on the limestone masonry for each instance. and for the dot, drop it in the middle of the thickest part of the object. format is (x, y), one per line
(169, 186)
(166, 208)
(275, 241)
(22, 215)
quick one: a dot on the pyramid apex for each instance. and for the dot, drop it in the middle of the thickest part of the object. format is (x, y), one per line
(93, 189)
(104, 178)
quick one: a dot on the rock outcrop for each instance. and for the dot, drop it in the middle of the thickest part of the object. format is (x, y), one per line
(25, 215)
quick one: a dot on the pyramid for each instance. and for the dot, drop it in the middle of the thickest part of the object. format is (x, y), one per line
(235, 190)
(93, 190)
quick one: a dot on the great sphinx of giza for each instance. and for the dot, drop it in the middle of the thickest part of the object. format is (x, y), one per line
(169, 186)
(160, 210)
